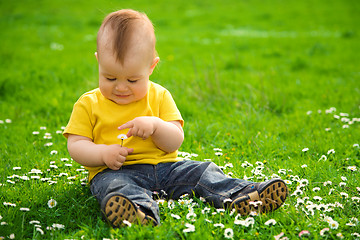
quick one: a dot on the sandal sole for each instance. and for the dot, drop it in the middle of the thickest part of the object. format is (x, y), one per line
(119, 208)
(272, 197)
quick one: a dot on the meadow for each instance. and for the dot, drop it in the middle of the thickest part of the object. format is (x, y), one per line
(268, 89)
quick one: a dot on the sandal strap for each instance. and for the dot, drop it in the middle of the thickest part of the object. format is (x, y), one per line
(254, 196)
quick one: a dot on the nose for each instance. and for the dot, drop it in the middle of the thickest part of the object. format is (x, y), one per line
(121, 86)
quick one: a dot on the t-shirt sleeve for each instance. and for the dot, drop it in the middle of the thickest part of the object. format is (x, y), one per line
(81, 122)
(169, 110)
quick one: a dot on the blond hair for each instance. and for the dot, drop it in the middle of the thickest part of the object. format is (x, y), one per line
(123, 24)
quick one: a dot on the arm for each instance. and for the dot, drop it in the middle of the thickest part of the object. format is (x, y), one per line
(89, 154)
(168, 136)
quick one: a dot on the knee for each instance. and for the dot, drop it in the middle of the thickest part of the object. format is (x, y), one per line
(120, 186)
(213, 167)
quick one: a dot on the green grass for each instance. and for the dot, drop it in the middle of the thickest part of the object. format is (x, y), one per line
(244, 75)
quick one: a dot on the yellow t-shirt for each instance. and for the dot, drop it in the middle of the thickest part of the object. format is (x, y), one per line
(98, 118)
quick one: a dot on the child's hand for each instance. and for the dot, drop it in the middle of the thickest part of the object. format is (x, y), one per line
(114, 155)
(142, 127)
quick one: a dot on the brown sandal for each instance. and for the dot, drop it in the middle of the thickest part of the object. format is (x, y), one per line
(119, 208)
(261, 197)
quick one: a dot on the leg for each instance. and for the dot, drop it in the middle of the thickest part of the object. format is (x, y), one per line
(205, 179)
(133, 183)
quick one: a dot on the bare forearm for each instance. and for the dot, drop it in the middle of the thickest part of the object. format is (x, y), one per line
(86, 153)
(168, 136)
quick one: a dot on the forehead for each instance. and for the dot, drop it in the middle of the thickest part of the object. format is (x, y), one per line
(134, 64)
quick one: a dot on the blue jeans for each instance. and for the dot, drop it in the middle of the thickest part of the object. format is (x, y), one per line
(138, 182)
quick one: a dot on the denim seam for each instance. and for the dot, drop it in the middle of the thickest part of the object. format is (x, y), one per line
(156, 177)
(210, 189)
(229, 192)
(232, 191)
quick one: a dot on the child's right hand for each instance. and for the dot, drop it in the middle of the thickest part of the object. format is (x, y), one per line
(114, 155)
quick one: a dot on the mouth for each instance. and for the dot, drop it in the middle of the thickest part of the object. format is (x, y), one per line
(122, 95)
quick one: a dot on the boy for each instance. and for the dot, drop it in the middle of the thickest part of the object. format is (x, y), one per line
(123, 177)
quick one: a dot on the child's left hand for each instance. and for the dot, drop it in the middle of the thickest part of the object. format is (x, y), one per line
(142, 127)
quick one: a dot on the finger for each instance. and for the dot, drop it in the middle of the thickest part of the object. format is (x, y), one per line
(130, 150)
(134, 131)
(147, 135)
(139, 133)
(126, 125)
(120, 162)
(121, 159)
(114, 167)
(123, 153)
(117, 166)
(129, 133)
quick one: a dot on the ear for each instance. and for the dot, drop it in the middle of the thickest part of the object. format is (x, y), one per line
(153, 65)
(96, 55)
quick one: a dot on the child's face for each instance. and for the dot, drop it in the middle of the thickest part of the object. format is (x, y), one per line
(124, 83)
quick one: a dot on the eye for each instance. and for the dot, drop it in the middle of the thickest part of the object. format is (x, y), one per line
(111, 79)
(132, 81)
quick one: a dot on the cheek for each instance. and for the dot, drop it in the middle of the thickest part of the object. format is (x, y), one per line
(140, 91)
(101, 85)
(144, 89)
(104, 86)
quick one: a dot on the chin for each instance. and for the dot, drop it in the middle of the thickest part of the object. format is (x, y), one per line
(121, 102)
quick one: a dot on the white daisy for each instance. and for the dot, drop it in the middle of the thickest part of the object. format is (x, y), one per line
(52, 203)
(176, 216)
(270, 222)
(229, 233)
(40, 231)
(323, 231)
(331, 151)
(127, 223)
(334, 224)
(352, 168)
(122, 136)
(189, 228)
(220, 225)
(58, 226)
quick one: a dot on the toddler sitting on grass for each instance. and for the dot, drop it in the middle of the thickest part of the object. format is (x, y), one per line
(127, 104)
